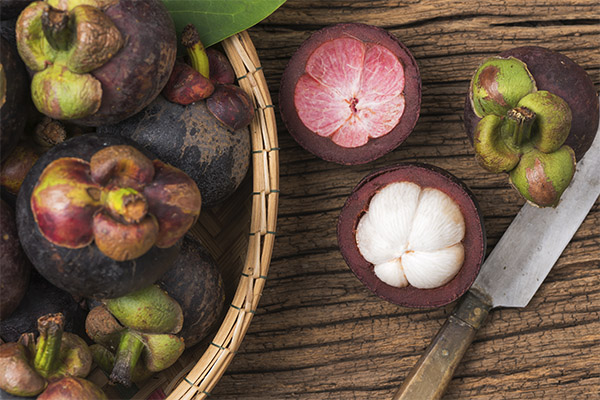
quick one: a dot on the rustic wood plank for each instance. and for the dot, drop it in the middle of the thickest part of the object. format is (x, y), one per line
(318, 333)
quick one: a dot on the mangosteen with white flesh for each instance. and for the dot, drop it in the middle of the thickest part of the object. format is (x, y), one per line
(99, 218)
(413, 234)
(351, 93)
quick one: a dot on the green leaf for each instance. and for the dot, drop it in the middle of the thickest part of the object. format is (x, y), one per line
(216, 20)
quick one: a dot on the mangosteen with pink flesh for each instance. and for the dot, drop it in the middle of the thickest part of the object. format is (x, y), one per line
(531, 113)
(14, 265)
(96, 62)
(100, 218)
(13, 98)
(351, 93)
(413, 234)
(196, 284)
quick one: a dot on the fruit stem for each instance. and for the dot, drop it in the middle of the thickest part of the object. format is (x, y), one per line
(128, 353)
(50, 328)
(195, 50)
(127, 204)
(55, 24)
(517, 125)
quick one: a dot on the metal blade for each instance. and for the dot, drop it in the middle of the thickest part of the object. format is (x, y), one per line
(536, 238)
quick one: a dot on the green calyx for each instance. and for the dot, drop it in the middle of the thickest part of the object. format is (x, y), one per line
(147, 341)
(195, 50)
(522, 130)
(63, 41)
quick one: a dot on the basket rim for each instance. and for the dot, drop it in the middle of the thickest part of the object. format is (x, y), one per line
(211, 366)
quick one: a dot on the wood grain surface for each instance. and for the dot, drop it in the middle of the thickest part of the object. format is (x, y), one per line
(318, 333)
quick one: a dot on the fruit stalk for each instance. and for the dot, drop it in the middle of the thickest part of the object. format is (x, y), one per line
(128, 353)
(195, 50)
(48, 347)
(55, 24)
(517, 125)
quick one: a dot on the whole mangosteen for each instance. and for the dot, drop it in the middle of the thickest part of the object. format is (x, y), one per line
(13, 98)
(96, 62)
(351, 93)
(193, 140)
(100, 218)
(531, 112)
(413, 234)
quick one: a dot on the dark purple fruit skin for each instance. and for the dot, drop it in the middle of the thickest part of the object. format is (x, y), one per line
(12, 8)
(14, 266)
(193, 140)
(424, 175)
(86, 271)
(129, 82)
(196, 284)
(323, 147)
(12, 116)
(40, 299)
(560, 75)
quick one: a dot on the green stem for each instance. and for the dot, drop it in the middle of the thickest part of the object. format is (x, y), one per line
(517, 125)
(55, 24)
(195, 50)
(48, 346)
(128, 353)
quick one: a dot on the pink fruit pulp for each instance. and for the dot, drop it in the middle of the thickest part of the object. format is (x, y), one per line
(351, 91)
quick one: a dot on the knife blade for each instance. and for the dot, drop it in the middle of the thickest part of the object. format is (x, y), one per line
(509, 277)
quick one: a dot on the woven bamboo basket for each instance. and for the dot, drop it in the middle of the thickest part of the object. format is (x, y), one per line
(239, 234)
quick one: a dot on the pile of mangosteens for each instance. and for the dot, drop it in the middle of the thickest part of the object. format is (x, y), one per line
(101, 178)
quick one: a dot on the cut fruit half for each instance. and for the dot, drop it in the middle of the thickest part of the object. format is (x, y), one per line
(413, 234)
(351, 93)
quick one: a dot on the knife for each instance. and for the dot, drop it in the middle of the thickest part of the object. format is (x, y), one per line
(509, 277)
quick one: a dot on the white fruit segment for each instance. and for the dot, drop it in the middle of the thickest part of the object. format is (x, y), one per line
(351, 91)
(412, 235)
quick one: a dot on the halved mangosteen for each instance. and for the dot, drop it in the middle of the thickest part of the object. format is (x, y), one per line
(413, 234)
(351, 93)
(100, 218)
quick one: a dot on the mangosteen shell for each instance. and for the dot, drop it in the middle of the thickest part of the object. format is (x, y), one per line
(13, 112)
(560, 75)
(424, 175)
(195, 282)
(133, 78)
(324, 147)
(14, 265)
(192, 139)
(85, 272)
(40, 299)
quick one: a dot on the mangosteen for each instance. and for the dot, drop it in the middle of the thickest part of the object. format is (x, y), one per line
(193, 140)
(196, 284)
(413, 234)
(13, 98)
(531, 113)
(72, 388)
(351, 93)
(14, 265)
(42, 298)
(96, 62)
(100, 218)
(221, 71)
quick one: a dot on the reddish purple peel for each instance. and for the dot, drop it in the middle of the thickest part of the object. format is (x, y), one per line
(351, 91)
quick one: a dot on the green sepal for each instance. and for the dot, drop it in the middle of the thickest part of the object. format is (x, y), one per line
(541, 178)
(61, 94)
(32, 45)
(498, 85)
(161, 350)
(553, 120)
(492, 150)
(149, 310)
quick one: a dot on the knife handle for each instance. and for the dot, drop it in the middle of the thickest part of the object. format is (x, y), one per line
(433, 372)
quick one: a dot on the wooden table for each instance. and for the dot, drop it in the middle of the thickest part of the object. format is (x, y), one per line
(318, 333)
